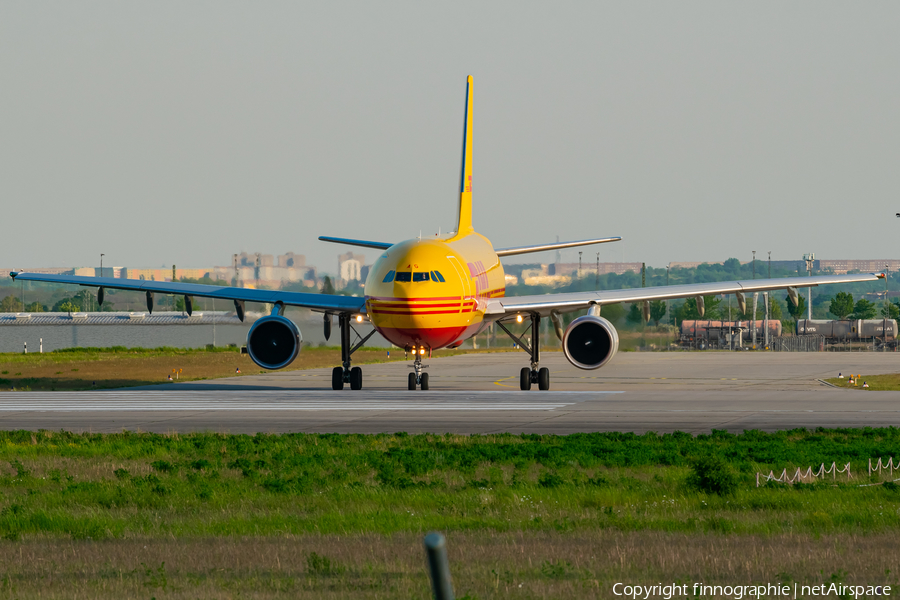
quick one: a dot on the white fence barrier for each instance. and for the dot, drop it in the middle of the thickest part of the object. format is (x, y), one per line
(890, 465)
(799, 476)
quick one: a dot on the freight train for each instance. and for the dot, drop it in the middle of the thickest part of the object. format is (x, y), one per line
(880, 331)
(716, 334)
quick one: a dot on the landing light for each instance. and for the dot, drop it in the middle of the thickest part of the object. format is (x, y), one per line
(359, 318)
(422, 350)
(518, 318)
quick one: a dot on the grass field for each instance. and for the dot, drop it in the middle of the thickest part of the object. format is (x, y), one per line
(887, 382)
(103, 368)
(342, 516)
(116, 367)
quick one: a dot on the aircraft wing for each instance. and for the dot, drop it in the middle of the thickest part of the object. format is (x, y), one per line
(350, 242)
(501, 252)
(317, 302)
(544, 304)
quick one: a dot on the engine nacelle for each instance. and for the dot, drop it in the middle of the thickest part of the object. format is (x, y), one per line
(273, 342)
(590, 342)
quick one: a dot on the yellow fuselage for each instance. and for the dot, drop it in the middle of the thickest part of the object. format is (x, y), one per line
(432, 293)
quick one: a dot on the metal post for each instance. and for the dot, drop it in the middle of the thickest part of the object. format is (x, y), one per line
(41, 351)
(753, 322)
(668, 315)
(26, 348)
(810, 259)
(439, 566)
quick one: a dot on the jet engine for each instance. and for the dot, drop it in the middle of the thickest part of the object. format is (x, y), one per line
(273, 342)
(590, 342)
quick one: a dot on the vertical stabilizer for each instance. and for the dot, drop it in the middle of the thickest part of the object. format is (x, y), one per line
(464, 227)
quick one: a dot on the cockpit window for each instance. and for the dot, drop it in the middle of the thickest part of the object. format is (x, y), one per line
(403, 276)
(420, 276)
(389, 277)
(437, 276)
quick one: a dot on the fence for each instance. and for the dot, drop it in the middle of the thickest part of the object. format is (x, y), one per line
(800, 475)
(798, 343)
(891, 465)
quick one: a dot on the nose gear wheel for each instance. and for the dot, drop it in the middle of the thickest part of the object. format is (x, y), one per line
(419, 378)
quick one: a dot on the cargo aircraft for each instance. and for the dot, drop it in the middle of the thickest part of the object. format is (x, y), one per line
(428, 293)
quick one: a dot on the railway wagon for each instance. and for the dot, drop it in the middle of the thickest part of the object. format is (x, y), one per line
(849, 330)
(716, 331)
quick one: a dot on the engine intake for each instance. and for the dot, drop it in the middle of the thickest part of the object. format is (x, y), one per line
(273, 342)
(590, 342)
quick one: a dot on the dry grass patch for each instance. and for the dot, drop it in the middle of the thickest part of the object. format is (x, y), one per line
(105, 370)
(484, 565)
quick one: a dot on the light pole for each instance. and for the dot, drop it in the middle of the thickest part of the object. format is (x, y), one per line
(597, 280)
(668, 316)
(754, 266)
(579, 265)
(101, 264)
(810, 260)
(770, 264)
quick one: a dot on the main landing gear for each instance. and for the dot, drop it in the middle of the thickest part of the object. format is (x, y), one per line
(527, 377)
(420, 377)
(346, 374)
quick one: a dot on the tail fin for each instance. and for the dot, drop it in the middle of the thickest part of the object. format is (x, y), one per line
(464, 227)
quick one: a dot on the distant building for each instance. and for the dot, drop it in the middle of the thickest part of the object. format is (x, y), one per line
(349, 268)
(266, 270)
(842, 266)
(590, 268)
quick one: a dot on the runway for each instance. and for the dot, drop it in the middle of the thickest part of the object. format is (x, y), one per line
(638, 392)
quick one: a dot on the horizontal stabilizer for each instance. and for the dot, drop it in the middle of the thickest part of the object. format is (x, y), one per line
(556, 246)
(363, 243)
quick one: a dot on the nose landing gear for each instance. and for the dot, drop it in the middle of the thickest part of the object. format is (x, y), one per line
(346, 374)
(419, 377)
(536, 374)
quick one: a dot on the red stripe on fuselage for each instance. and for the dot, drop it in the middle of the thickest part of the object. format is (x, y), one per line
(399, 311)
(406, 304)
(395, 299)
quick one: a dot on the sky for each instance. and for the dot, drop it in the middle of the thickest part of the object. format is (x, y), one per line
(183, 132)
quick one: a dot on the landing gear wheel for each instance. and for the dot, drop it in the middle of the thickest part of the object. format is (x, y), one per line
(525, 378)
(424, 383)
(355, 378)
(337, 378)
(412, 381)
(544, 379)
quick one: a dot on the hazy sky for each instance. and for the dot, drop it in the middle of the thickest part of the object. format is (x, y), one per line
(182, 132)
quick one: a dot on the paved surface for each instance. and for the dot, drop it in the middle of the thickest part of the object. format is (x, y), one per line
(663, 392)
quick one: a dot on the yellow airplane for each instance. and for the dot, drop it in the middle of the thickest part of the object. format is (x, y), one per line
(426, 294)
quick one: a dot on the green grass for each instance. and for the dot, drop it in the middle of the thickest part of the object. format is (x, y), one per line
(880, 383)
(115, 486)
(342, 516)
